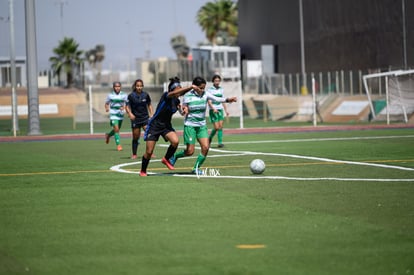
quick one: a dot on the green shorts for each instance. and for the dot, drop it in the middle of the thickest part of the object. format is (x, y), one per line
(216, 117)
(191, 134)
(115, 122)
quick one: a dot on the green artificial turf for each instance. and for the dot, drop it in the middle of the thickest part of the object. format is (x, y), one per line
(63, 211)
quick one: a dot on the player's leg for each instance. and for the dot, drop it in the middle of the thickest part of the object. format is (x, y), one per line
(168, 158)
(220, 128)
(174, 140)
(117, 127)
(149, 148)
(190, 137)
(213, 119)
(110, 133)
(136, 132)
(212, 133)
(202, 137)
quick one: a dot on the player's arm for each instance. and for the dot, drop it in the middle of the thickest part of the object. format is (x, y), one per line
(129, 112)
(225, 109)
(181, 91)
(210, 104)
(221, 99)
(184, 110)
(150, 110)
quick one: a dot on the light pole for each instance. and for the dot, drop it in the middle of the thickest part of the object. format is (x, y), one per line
(31, 53)
(61, 3)
(304, 88)
(15, 127)
(404, 33)
(129, 51)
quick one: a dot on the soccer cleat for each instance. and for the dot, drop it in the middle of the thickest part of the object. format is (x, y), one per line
(142, 174)
(173, 160)
(220, 145)
(133, 156)
(198, 172)
(119, 148)
(107, 138)
(167, 163)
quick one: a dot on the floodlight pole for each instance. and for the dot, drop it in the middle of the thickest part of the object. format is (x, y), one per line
(15, 119)
(302, 47)
(404, 33)
(31, 52)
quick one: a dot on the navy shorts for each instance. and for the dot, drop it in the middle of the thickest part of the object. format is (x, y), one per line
(155, 130)
(138, 123)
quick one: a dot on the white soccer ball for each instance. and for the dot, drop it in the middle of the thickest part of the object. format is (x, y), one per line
(257, 166)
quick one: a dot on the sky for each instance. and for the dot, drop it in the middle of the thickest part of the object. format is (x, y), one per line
(128, 29)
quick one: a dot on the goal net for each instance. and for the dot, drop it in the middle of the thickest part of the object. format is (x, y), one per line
(391, 95)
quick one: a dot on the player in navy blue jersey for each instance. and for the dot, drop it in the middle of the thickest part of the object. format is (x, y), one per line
(160, 124)
(139, 110)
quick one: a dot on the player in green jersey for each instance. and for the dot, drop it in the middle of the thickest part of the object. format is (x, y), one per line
(217, 110)
(115, 104)
(195, 128)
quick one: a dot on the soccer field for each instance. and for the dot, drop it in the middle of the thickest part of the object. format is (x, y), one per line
(333, 202)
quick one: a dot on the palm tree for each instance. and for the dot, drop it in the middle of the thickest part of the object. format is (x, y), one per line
(219, 21)
(67, 59)
(95, 57)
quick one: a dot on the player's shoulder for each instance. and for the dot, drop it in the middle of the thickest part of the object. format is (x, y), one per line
(146, 94)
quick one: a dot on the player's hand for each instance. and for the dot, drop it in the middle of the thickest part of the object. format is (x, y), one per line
(184, 111)
(232, 99)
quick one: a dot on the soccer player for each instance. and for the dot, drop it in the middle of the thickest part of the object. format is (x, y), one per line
(160, 124)
(216, 111)
(139, 109)
(115, 104)
(195, 128)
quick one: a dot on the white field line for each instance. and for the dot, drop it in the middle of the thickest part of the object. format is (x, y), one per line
(119, 168)
(321, 159)
(320, 139)
(296, 178)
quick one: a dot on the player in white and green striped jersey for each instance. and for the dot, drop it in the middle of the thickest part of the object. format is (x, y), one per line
(217, 110)
(195, 128)
(115, 104)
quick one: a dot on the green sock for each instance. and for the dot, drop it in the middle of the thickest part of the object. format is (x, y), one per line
(117, 139)
(220, 136)
(180, 154)
(213, 132)
(199, 162)
(111, 133)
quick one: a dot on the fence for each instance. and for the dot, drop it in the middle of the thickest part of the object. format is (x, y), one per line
(338, 82)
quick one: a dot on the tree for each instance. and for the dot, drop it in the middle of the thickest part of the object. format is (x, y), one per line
(67, 59)
(219, 21)
(95, 57)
